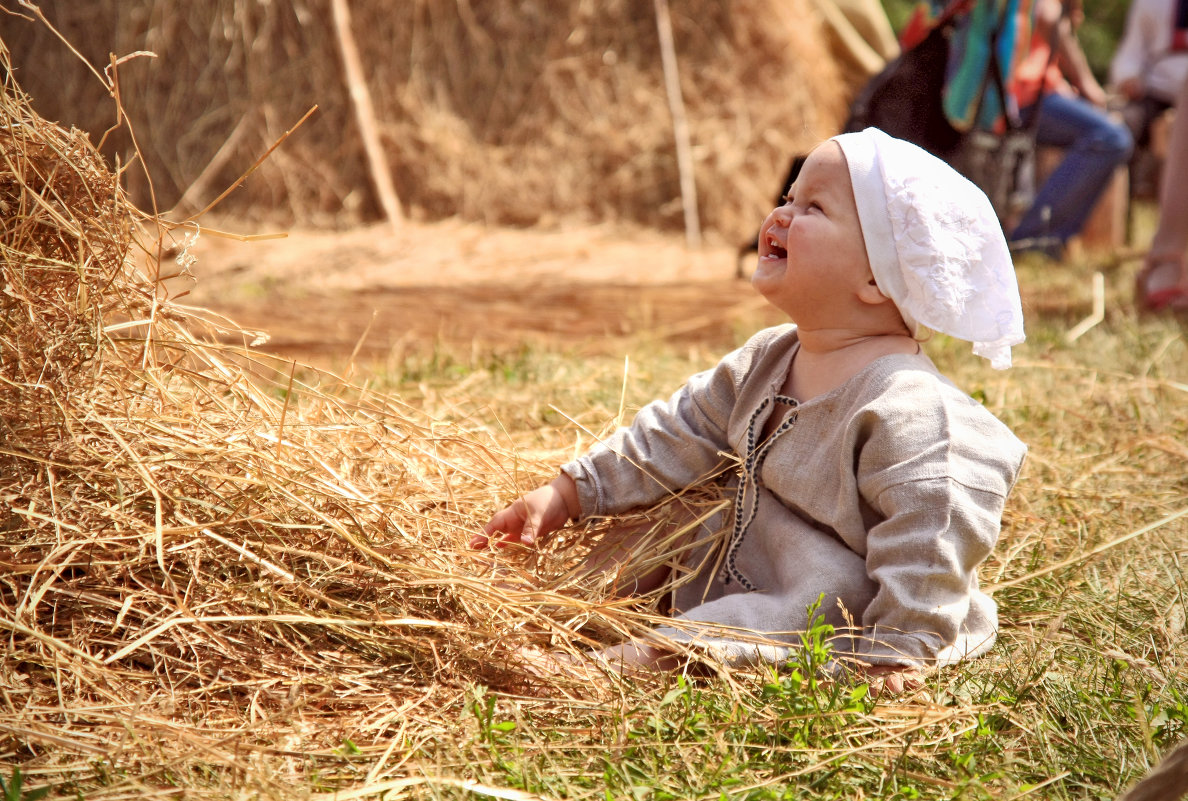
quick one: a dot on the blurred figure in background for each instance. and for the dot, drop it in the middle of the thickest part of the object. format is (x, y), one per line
(1163, 281)
(1053, 79)
(1148, 67)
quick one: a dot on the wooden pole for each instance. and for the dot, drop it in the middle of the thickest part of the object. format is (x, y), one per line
(680, 124)
(381, 176)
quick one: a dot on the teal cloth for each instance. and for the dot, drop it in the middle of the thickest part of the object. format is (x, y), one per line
(971, 98)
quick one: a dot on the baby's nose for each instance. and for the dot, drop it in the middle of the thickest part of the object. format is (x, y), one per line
(780, 217)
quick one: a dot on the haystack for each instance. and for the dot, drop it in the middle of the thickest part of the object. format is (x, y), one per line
(502, 111)
(204, 548)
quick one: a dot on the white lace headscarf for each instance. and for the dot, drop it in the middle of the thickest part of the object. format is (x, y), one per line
(935, 245)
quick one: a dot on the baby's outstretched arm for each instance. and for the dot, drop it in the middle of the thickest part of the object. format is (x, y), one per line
(535, 515)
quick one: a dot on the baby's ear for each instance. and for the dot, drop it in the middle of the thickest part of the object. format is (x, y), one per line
(870, 293)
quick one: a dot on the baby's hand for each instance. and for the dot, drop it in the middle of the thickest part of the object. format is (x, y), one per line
(536, 515)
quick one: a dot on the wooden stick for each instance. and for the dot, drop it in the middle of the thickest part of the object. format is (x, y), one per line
(251, 169)
(1098, 310)
(381, 176)
(680, 124)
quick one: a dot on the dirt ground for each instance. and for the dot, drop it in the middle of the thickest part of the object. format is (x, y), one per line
(320, 295)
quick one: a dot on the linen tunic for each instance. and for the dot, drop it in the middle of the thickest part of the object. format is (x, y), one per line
(884, 494)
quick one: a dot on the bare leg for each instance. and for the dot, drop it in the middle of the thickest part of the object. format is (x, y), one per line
(637, 657)
(1164, 279)
(625, 658)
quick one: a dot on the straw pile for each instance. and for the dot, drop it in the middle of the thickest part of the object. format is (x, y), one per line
(217, 568)
(196, 560)
(501, 111)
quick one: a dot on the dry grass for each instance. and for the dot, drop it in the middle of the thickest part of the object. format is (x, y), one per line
(228, 576)
(500, 111)
(205, 556)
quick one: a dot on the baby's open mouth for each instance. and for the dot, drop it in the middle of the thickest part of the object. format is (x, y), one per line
(774, 248)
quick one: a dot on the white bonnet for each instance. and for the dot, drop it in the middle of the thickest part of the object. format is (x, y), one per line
(935, 245)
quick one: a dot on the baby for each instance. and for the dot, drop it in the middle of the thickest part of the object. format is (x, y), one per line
(860, 472)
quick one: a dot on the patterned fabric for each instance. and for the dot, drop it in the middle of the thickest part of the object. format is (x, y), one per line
(983, 41)
(884, 494)
(934, 243)
(985, 32)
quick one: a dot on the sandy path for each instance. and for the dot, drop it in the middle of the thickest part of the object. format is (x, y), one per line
(318, 293)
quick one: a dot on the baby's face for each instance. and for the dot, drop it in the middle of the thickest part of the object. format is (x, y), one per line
(811, 252)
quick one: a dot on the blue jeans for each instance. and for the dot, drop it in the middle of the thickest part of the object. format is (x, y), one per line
(1094, 146)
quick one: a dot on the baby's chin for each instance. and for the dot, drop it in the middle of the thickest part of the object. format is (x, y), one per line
(768, 268)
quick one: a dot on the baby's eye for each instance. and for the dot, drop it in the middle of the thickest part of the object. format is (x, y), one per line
(787, 198)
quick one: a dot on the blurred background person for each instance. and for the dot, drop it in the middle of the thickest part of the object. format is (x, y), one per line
(1163, 281)
(1052, 78)
(1147, 69)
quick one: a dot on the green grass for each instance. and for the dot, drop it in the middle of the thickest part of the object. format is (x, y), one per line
(1085, 689)
(1082, 694)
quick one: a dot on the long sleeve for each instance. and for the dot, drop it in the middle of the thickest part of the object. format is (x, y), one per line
(936, 472)
(923, 558)
(885, 496)
(669, 446)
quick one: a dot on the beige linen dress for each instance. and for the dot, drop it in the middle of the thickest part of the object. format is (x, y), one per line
(884, 494)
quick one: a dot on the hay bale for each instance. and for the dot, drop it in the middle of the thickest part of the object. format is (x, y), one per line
(502, 112)
(63, 243)
(197, 537)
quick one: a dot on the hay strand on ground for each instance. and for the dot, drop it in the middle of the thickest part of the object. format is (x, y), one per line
(198, 532)
(221, 572)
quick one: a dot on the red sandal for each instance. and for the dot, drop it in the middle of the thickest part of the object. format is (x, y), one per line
(1166, 298)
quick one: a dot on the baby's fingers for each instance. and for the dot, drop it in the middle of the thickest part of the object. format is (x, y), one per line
(479, 541)
(509, 522)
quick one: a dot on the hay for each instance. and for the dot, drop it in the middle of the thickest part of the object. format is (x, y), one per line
(220, 572)
(207, 550)
(500, 112)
